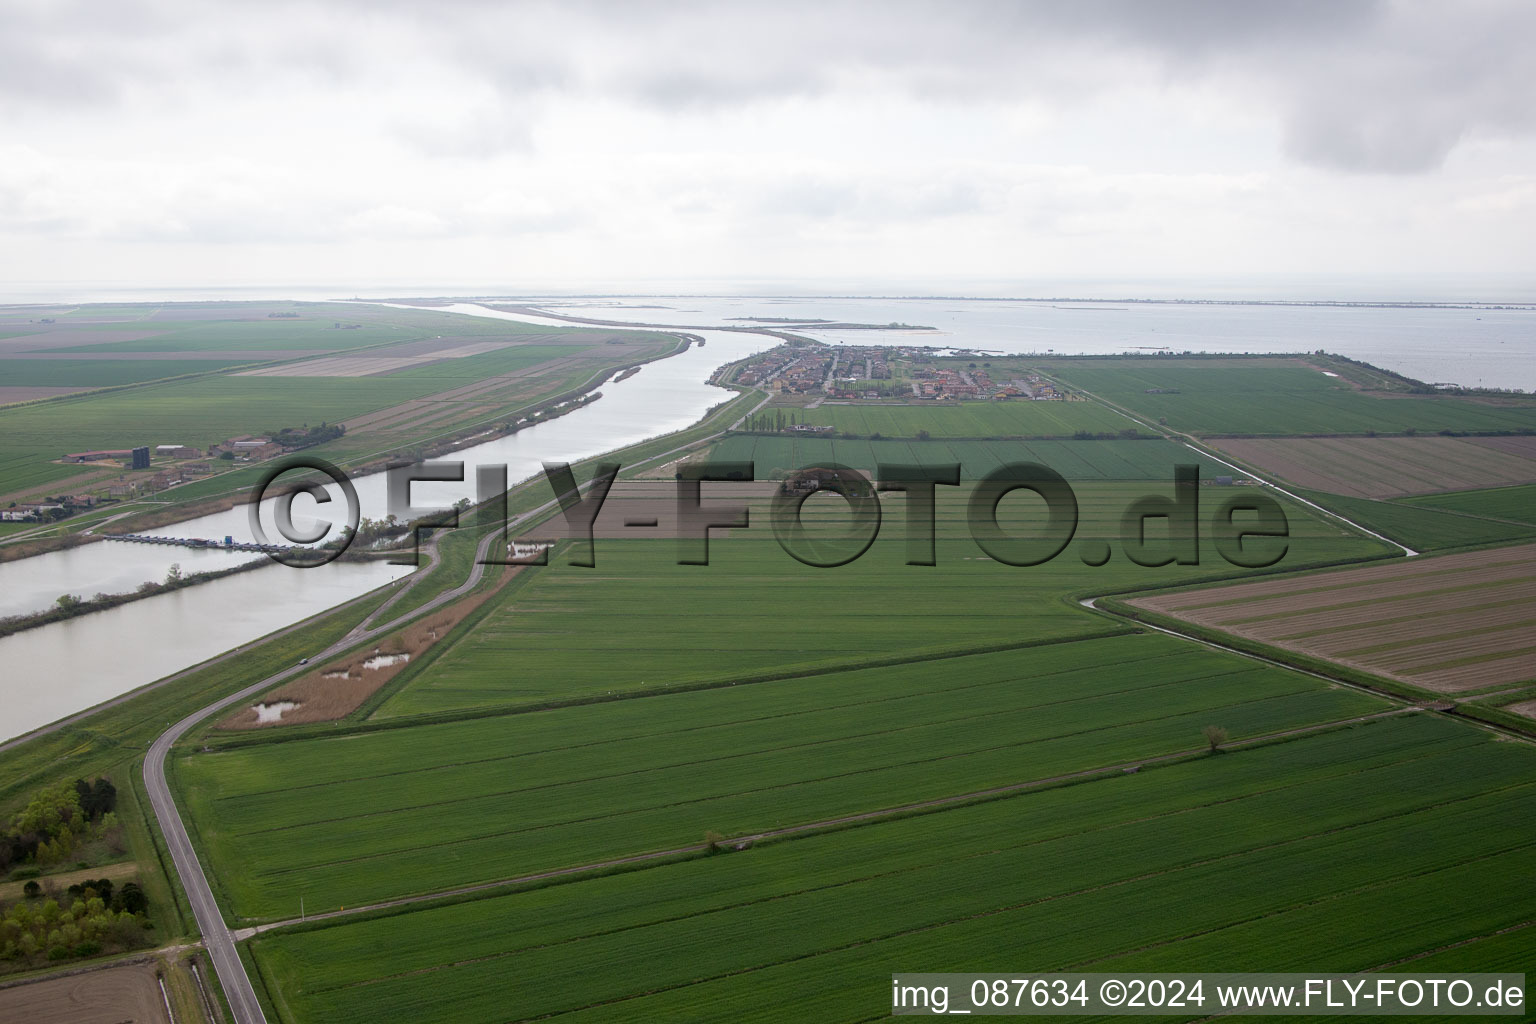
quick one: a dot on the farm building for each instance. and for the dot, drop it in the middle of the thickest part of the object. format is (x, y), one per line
(97, 456)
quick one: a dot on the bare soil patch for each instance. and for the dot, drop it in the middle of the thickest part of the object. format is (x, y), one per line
(1451, 624)
(338, 688)
(1525, 707)
(339, 366)
(1522, 445)
(1395, 569)
(115, 995)
(1389, 467)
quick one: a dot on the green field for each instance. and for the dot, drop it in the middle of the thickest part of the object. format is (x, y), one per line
(1032, 780)
(448, 373)
(1148, 459)
(1218, 397)
(314, 333)
(383, 814)
(100, 373)
(1422, 526)
(204, 410)
(1353, 847)
(24, 471)
(639, 618)
(1513, 503)
(1013, 418)
(196, 412)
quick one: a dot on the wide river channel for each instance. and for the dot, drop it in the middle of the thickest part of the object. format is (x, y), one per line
(60, 669)
(66, 667)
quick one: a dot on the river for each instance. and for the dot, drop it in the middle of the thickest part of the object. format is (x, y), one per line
(84, 661)
(59, 669)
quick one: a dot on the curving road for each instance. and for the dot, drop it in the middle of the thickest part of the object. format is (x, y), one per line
(217, 937)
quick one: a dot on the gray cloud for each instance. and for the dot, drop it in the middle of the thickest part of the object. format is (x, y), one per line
(1355, 85)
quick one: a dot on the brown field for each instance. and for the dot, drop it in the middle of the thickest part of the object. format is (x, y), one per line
(25, 393)
(116, 995)
(1522, 445)
(1526, 708)
(1451, 624)
(340, 366)
(387, 360)
(1390, 467)
(337, 689)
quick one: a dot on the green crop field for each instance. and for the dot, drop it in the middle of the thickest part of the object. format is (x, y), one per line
(196, 412)
(488, 798)
(1219, 398)
(1422, 526)
(1237, 862)
(22, 471)
(1513, 503)
(1012, 418)
(639, 618)
(1148, 459)
(275, 336)
(98, 373)
(948, 767)
(449, 373)
(208, 409)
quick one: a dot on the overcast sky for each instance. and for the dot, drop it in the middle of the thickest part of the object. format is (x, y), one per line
(892, 147)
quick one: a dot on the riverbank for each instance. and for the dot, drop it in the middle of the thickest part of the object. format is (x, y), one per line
(73, 606)
(173, 513)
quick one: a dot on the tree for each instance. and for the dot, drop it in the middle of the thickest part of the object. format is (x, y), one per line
(32, 890)
(131, 899)
(714, 839)
(68, 603)
(1215, 735)
(173, 574)
(103, 797)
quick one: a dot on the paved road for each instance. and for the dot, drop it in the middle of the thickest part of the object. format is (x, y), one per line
(217, 937)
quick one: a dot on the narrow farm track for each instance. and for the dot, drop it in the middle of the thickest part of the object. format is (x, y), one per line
(217, 937)
(805, 828)
(1193, 444)
(221, 941)
(1092, 604)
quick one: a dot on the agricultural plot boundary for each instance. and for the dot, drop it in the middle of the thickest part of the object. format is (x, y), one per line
(738, 930)
(1382, 467)
(1422, 625)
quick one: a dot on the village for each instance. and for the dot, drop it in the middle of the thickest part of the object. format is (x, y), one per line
(901, 373)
